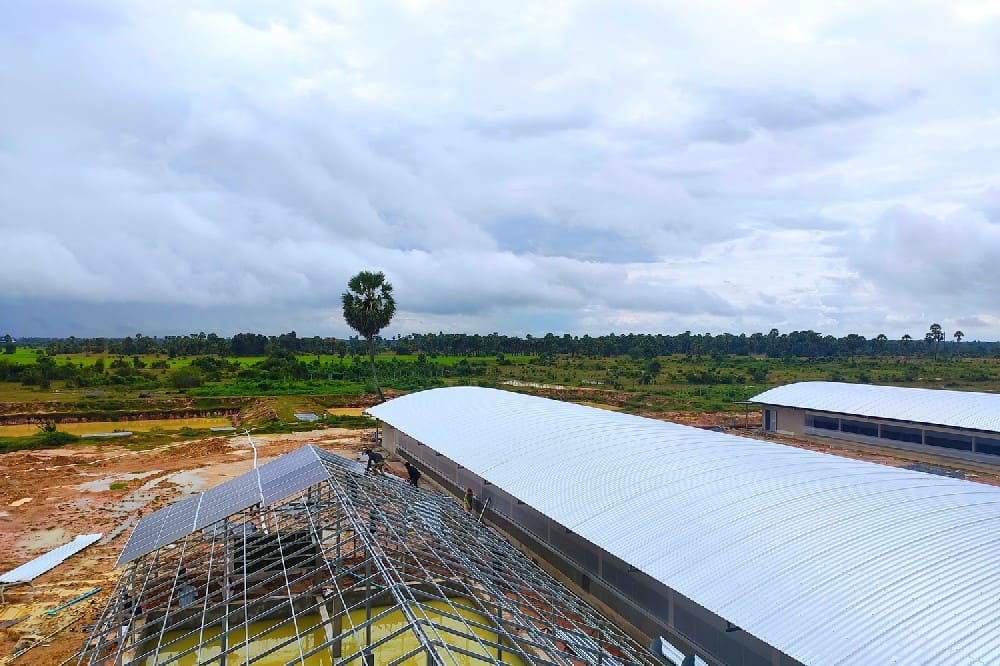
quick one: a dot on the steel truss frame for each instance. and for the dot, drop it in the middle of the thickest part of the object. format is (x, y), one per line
(351, 543)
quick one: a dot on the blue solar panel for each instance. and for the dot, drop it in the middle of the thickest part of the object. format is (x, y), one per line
(268, 484)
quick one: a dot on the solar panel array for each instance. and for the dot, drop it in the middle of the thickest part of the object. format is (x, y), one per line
(268, 484)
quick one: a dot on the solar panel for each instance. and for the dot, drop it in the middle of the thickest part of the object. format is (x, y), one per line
(268, 484)
(277, 488)
(219, 502)
(341, 463)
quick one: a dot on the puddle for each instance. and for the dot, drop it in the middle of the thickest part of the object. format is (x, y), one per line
(45, 539)
(189, 481)
(104, 483)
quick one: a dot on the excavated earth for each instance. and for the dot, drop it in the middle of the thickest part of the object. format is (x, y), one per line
(47, 497)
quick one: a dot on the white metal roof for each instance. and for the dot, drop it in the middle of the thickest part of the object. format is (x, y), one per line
(29, 571)
(956, 409)
(831, 560)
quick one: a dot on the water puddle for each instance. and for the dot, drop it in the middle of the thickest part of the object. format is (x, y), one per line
(258, 638)
(189, 481)
(346, 411)
(45, 539)
(103, 484)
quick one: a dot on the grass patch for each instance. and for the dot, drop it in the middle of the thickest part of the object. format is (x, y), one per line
(41, 440)
(118, 485)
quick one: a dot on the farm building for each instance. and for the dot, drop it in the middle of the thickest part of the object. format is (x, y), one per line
(306, 560)
(752, 552)
(958, 424)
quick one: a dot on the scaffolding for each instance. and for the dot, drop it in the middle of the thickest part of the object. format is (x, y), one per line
(351, 569)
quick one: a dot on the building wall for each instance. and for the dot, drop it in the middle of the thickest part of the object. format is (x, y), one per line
(785, 421)
(651, 607)
(921, 438)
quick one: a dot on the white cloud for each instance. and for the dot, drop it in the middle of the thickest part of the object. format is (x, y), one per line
(571, 166)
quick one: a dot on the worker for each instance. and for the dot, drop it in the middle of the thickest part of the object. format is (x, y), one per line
(469, 501)
(376, 463)
(413, 473)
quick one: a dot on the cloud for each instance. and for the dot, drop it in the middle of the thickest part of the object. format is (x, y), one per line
(526, 126)
(942, 267)
(569, 166)
(735, 115)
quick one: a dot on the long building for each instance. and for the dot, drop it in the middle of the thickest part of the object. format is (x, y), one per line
(752, 552)
(957, 424)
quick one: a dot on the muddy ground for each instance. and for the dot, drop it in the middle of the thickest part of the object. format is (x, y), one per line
(47, 497)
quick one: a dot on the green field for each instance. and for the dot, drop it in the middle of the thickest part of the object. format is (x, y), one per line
(678, 382)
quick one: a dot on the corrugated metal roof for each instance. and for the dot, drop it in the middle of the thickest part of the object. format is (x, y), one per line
(29, 571)
(956, 409)
(831, 560)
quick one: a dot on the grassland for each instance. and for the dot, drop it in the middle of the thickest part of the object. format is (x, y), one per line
(266, 392)
(91, 427)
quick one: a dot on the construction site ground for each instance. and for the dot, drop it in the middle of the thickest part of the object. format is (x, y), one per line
(47, 497)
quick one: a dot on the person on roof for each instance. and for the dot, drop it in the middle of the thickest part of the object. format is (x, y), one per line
(376, 463)
(469, 501)
(413, 473)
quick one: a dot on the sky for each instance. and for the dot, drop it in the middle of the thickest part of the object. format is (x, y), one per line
(518, 167)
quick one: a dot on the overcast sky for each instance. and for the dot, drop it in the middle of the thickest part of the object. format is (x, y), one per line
(581, 167)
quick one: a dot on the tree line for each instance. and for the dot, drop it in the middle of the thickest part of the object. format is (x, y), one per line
(805, 344)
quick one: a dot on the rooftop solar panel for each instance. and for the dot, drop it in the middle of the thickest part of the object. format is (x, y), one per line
(267, 485)
(218, 502)
(338, 462)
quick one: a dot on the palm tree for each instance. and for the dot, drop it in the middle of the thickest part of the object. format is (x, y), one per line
(880, 341)
(934, 337)
(368, 308)
(958, 335)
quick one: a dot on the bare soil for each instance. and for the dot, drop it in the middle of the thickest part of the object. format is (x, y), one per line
(49, 496)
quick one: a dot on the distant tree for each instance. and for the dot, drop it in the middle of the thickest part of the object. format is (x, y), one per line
(934, 337)
(186, 377)
(880, 341)
(368, 308)
(9, 346)
(958, 335)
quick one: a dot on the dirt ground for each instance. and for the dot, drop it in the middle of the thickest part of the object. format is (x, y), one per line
(48, 497)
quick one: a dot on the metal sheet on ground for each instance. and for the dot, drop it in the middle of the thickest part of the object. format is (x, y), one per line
(29, 571)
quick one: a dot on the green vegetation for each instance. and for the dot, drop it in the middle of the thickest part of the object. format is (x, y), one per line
(48, 437)
(650, 375)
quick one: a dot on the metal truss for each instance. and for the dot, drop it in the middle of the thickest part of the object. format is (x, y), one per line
(313, 579)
